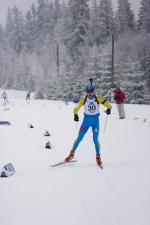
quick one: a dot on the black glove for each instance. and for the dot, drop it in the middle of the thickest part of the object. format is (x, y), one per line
(108, 111)
(76, 117)
(116, 97)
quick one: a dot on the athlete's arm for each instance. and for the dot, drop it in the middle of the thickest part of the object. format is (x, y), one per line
(104, 103)
(80, 104)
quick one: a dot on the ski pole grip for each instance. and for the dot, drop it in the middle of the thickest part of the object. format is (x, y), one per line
(91, 80)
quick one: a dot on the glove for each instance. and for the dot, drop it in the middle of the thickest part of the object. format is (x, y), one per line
(108, 111)
(76, 117)
(116, 97)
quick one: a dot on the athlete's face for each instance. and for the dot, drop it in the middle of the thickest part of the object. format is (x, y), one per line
(90, 93)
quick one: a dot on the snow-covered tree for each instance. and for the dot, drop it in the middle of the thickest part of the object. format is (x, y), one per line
(145, 62)
(125, 20)
(105, 19)
(2, 55)
(101, 72)
(15, 29)
(103, 78)
(52, 90)
(30, 29)
(57, 10)
(76, 31)
(94, 25)
(44, 26)
(133, 82)
(57, 47)
(59, 36)
(144, 16)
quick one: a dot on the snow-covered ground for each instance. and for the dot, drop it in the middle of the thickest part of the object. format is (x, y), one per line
(79, 193)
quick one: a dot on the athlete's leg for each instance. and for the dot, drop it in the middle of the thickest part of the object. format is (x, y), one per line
(83, 129)
(95, 129)
(122, 111)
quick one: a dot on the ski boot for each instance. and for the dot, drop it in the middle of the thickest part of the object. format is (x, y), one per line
(98, 160)
(70, 156)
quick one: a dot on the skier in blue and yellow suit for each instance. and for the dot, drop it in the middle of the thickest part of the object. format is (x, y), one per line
(91, 119)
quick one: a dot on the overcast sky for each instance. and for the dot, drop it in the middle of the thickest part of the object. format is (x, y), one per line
(24, 5)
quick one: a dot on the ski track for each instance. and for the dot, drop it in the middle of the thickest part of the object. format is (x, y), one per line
(79, 193)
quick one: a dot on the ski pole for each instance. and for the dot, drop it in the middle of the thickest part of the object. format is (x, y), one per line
(105, 124)
(91, 80)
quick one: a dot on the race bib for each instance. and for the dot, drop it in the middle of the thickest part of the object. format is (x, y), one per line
(91, 107)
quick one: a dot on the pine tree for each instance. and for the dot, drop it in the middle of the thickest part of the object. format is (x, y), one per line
(145, 62)
(57, 11)
(2, 53)
(51, 90)
(144, 16)
(76, 30)
(59, 35)
(44, 26)
(2, 41)
(30, 29)
(105, 18)
(133, 83)
(103, 78)
(142, 46)
(94, 25)
(102, 74)
(125, 20)
(15, 29)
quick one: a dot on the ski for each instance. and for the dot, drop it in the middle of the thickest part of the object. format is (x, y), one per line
(62, 162)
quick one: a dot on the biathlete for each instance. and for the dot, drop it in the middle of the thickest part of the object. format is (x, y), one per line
(91, 119)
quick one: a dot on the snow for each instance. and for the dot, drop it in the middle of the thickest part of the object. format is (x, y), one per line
(79, 193)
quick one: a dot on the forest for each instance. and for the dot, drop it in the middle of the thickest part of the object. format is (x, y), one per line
(54, 48)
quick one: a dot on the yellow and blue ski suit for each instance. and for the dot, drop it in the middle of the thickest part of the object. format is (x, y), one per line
(91, 119)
